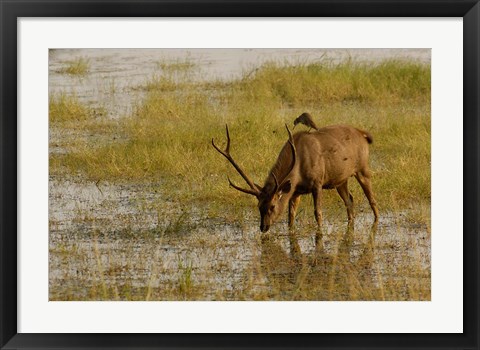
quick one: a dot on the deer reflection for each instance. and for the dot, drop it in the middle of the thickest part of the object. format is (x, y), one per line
(344, 271)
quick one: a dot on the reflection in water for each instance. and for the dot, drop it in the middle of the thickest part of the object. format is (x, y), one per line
(98, 252)
(345, 273)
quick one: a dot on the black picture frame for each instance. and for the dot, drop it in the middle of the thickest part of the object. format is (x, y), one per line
(12, 10)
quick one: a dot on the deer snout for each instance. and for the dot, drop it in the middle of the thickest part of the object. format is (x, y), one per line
(264, 228)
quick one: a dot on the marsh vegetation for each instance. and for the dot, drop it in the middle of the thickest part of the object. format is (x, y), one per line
(139, 203)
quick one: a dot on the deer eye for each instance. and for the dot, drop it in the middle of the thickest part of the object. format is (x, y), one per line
(272, 208)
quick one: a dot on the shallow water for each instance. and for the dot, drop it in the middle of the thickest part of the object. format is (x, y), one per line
(114, 237)
(116, 75)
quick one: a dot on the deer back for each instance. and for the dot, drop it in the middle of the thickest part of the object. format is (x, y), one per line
(333, 154)
(328, 157)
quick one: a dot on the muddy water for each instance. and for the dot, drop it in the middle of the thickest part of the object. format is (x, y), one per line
(133, 242)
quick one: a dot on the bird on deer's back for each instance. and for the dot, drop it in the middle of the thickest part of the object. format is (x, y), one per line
(305, 119)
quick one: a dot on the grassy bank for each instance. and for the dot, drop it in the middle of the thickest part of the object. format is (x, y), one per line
(168, 136)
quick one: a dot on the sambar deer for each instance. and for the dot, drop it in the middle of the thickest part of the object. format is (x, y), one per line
(308, 163)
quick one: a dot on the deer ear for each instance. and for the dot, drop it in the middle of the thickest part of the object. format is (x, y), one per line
(285, 187)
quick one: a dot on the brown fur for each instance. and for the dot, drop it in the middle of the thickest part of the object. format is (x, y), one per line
(309, 163)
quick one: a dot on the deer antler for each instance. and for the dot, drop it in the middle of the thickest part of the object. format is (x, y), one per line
(276, 182)
(255, 189)
(294, 151)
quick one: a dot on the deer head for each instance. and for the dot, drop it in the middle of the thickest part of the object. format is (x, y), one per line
(273, 196)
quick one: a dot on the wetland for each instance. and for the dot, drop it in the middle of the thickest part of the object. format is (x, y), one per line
(139, 202)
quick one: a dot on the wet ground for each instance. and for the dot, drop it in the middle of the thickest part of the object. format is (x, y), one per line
(111, 242)
(116, 242)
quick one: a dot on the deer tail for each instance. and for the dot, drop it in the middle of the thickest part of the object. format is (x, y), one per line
(367, 136)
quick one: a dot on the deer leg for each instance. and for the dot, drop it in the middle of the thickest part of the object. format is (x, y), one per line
(292, 209)
(317, 205)
(363, 178)
(347, 199)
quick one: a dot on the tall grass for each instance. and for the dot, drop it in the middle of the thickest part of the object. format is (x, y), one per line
(320, 84)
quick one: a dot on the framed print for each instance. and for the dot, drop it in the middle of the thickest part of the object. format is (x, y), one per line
(217, 174)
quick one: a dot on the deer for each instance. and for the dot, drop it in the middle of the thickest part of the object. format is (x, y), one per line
(307, 164)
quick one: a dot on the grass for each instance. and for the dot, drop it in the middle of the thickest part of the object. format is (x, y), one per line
(176, 65)
(360, 265)
(77, 67)
(66, 108)
(165, 147)
(169, 134)
(349, 82)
